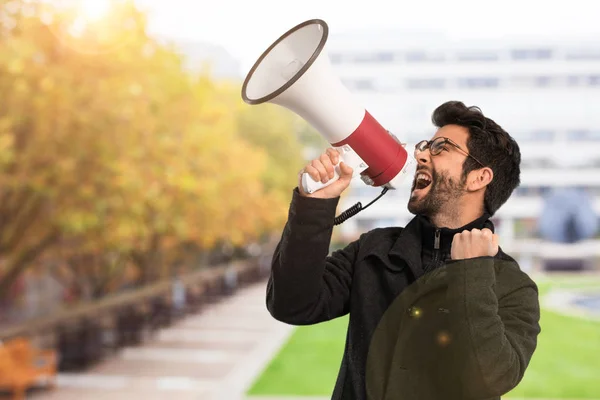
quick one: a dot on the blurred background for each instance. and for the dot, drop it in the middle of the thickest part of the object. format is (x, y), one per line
(141, 199)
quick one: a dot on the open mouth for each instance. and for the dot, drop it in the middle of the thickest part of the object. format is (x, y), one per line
(421, 181)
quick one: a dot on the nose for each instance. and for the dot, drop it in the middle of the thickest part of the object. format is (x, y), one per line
(423, 157)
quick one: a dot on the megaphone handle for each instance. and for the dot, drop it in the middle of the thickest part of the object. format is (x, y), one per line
(349, 157)
(309, 185)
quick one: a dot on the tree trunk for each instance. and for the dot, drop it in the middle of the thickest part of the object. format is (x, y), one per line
(147, 261)
(24, 260)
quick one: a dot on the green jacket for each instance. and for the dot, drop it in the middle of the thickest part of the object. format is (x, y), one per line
(421, 326)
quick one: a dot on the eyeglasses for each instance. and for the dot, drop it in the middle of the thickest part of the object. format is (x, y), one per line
(436, 146)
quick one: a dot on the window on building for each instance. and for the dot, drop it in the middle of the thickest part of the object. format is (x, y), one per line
(384, 57)
(422, 56)
(544, 81)
(539, 135)
(543, 135)
(362, 58)
(425, 83)
(481, 82)
(574, 80)
(584, 135)
(529, 191)
(577, 135)
(359, 84)
(594, 80)
(583, 54)
(531, 54)
(377, 57)
(530, 162)
(583, 80)
(521, 82)
(477, 56)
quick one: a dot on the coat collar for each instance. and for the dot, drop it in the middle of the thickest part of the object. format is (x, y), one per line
(419, 233)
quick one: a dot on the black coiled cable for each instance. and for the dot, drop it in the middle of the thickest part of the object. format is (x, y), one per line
(355, 209)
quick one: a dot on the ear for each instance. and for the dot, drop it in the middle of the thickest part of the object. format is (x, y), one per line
(479, 179)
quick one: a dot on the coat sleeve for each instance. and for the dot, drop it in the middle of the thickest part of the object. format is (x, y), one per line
(306, 284)
(494, 336)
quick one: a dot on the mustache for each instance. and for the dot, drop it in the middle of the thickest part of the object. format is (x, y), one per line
(421, 168)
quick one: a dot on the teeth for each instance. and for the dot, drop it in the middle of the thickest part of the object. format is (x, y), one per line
(423, 176)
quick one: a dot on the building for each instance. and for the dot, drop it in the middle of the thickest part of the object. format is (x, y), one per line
(543, 91)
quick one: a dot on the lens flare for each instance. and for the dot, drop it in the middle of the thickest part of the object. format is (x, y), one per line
(94, 10)
(93, 27)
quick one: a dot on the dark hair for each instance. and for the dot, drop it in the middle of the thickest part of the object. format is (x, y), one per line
(488, 143)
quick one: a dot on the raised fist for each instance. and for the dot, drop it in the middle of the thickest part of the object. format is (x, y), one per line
(474, 243)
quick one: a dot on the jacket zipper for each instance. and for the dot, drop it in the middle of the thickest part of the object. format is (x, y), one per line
(436, 244)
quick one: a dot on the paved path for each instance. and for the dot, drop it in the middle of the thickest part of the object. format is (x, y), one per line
(214, 355)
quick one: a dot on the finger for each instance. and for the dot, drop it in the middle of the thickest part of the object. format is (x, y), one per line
(456, 239)
(318, 165)
(326, 161)
(313, 173)
(346, 170)
(334, 155)
(476, 232)
(465, 238)
(487, 234)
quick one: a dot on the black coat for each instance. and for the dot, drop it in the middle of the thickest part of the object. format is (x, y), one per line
(421, 326)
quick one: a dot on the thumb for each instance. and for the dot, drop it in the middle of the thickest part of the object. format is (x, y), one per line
(495, 244)
(345, 171)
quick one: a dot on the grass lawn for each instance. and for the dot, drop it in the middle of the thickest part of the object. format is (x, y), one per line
(566, 363)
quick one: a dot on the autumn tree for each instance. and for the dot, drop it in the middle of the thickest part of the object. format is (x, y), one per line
(111, 151)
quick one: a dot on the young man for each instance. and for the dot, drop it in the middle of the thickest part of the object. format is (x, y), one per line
(437, 310)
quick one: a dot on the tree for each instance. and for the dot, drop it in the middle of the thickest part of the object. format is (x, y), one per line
(111, 151)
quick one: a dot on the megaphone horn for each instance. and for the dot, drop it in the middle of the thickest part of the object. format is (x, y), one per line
(295, 73)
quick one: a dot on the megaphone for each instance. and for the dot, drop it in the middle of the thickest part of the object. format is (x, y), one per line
(295, 73)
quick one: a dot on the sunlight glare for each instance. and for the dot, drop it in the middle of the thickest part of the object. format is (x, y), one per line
(94, 10)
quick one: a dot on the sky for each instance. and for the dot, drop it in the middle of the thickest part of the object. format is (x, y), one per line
(246, 27)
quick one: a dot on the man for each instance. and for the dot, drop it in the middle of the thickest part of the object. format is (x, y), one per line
(437, 310)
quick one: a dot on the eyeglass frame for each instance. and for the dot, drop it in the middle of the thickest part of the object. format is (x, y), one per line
(428, 144)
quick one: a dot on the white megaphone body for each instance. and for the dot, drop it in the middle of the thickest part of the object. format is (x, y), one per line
(295, 73)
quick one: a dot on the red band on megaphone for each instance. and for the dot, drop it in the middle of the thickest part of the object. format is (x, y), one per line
(382, 153)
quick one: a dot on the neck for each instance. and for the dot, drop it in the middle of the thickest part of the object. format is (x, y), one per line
(456, 217)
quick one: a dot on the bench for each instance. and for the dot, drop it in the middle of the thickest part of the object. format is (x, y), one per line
(22, 366)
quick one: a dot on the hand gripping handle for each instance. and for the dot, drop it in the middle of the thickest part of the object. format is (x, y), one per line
(349, 157)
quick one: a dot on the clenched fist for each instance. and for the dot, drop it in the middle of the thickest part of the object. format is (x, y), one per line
(474, 243)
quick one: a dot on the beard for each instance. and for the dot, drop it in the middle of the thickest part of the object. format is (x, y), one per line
(442, 191)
